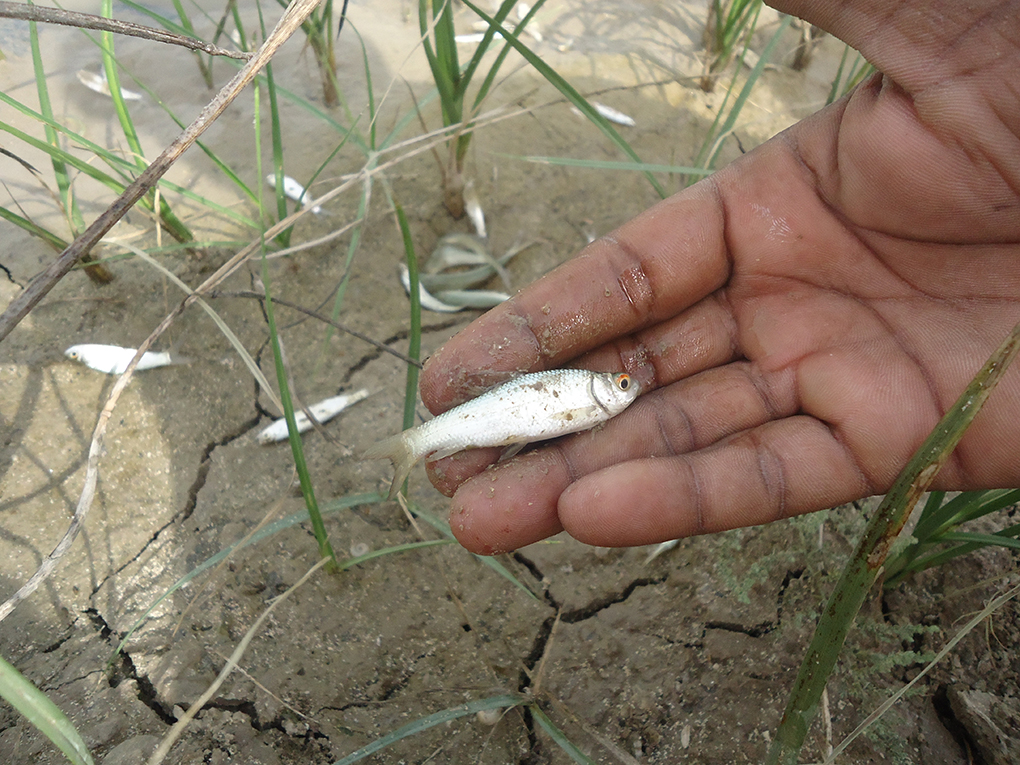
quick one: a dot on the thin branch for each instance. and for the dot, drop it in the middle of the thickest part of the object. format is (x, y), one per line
(26, 12)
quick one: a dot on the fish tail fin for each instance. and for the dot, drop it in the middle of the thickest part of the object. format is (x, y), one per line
(397, 449)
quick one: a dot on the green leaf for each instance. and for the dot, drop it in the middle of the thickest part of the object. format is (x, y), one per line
(42, 713)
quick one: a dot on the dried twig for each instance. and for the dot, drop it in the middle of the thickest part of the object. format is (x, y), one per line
(26, 12)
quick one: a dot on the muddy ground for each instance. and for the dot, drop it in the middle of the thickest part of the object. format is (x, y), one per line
(687, 658)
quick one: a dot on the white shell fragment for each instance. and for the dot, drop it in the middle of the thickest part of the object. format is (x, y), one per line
(324, 411)
(113, 360)
(614, 115)
(98, 82)
(293, 190)
(533, 407)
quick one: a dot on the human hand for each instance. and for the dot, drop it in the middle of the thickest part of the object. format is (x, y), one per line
(802, 318)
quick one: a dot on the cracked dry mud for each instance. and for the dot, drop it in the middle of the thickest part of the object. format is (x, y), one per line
(686, 659)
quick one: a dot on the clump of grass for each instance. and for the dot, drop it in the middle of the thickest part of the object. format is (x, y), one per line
(940, 536)
(728, 26)
(435, 18)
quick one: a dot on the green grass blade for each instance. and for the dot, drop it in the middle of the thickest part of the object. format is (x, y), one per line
(43, 714)
(985, 540)
(970, 505)
(559, 736)
(277, 136)
(296, 445)
(867, 561)
(442, 58)
(570, 93)
(944, 556)
(63, 179)
(127, 125)
(35, 230)
(431, 721)
(490, 76)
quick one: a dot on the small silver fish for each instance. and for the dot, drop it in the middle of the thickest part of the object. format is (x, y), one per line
(113, 360)
(324, 411)
(479, 299)
(100, 84)
(474, 210)
(293, 190)
(614, 115)
(534, 407)
(425, 298)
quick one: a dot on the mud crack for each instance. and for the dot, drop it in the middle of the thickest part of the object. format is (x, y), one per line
(123, 668)
(371, 356)
(10, 277)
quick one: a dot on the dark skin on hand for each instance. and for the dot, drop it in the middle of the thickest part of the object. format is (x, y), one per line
(799, 321)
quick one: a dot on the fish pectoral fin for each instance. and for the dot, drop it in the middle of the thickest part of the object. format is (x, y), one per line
(511, 451)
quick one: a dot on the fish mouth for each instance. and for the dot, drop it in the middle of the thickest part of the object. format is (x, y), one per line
(595, 397)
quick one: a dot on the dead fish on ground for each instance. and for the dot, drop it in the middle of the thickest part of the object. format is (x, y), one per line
(474, 209)
(293, 190)
(533, 407)
(100, 84)
(614, 115)
(661, 548)
(479, 299)
(456, 249)
(324, 411)
(425, 298)
(113, 360)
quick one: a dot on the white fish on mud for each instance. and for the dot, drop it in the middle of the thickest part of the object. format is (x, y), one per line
(614, 115)
(324, 411)
(533, 407)
(427, 300)
(113, 360)
(293, 190)
(100, 84)
(478, 299)
(473, 207)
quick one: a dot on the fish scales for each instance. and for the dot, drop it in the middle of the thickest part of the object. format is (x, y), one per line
(534, 407)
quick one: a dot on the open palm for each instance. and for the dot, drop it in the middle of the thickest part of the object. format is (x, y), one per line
(800, 320)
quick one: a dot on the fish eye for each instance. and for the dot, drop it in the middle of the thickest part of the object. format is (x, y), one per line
(623, 381)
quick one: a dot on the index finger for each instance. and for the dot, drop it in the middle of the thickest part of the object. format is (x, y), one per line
(657, 264)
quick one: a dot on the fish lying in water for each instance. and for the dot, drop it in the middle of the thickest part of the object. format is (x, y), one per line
(113, 360)
(324, 411)
(294, 190)
(530, 408)
(100, 84)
